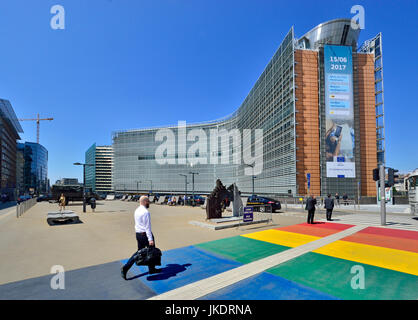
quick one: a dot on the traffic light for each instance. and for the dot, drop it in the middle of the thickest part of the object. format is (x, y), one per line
(392, 176)
(376, 174)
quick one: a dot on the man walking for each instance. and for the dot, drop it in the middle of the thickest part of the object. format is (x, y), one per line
(337, 198)
(310, 206)
(329, 205)
(144, 236)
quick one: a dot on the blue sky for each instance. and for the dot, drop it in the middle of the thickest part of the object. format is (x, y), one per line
(124, 64)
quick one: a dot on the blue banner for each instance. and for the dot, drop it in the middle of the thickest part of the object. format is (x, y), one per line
(339, 111)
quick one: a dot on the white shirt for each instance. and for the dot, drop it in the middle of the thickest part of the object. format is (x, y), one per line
(143, 222)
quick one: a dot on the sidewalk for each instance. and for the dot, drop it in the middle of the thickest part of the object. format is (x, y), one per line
(286, 261)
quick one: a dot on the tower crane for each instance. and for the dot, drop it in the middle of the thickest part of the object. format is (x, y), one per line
(38, 120)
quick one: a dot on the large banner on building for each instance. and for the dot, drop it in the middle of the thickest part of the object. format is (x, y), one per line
(339, 137)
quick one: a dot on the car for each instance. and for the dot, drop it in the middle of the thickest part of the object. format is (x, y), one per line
(43, 197)
(198, 200)
(258, 201)
(23, 198)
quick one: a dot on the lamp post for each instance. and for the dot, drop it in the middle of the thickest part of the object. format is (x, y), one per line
(253, 176)
(185, 185)
(84, 180)
(193, 173)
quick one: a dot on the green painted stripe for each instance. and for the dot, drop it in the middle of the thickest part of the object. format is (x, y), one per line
(333, 276)
(241, 249)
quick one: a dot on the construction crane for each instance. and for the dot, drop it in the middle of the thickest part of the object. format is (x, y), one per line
(37, 125)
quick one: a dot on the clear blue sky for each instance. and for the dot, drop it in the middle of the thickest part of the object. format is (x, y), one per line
(124, 64)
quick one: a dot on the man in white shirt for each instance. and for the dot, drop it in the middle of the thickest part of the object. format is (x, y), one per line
(144, 236)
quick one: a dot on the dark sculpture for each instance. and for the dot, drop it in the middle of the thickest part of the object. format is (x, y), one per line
(216, 198)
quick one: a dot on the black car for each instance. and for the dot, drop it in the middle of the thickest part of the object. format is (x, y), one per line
(257, 201)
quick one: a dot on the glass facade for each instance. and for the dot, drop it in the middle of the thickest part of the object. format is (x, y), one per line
(91, 170)
(156, 159)
(35, 170)
(99, 176)
(269, 106)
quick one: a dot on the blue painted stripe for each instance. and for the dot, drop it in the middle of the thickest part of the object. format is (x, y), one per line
(266, 286)
(181, 267)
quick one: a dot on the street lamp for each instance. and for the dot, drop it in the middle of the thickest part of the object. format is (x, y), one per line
(193, 173)
(253, 176)
(84, 180)
(185, 184)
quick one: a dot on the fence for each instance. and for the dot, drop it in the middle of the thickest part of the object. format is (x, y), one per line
(21, 208)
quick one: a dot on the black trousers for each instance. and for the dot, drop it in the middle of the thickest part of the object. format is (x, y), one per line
(329, 214)
(311, 214)
(143, 242)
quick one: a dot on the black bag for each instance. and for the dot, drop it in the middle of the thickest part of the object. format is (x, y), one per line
(148, 256)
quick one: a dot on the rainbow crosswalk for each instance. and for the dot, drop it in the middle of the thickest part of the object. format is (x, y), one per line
(388, 257)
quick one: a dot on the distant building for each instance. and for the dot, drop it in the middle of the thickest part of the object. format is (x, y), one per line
(35, 170)
(68, 182)
(99, 176)
(20, 164)
(9, 134)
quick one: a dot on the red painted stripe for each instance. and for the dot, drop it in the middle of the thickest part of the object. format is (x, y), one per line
(384, 241)
(405, 234)
(319, 229)
(327, 225)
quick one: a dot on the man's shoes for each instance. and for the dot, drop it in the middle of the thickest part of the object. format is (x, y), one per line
(154, 271)
(123, 273)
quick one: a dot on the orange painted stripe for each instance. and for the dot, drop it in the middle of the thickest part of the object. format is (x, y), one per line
(317, 229)
(404, 234)
(384, 241)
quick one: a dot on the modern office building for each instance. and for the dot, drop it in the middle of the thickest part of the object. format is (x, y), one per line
(35, 169)
(99, 176)
(68, 182)
(312, 123)
(20, 168)
(9, 134)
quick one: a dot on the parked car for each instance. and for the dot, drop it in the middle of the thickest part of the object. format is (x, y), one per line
(44, 197)
(23, 198)
(256, 201)
(198, 200)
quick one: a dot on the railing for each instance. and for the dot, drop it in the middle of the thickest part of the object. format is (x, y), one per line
(24, 206)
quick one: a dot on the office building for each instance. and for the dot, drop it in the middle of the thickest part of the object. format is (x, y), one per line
(35, 169)
(9, 134)
(99, 176)
(319, 107)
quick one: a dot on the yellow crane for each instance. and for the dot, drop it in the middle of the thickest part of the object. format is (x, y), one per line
(38, 120)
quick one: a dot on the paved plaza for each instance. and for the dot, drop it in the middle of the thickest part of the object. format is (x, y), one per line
(352, 257)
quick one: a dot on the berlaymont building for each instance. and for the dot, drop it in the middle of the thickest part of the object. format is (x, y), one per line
(312, 123)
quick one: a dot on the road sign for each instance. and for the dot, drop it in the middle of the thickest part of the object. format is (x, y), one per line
(248, 214)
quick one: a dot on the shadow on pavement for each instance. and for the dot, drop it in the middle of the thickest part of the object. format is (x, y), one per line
(171, 270)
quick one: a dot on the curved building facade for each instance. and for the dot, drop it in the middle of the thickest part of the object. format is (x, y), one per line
(279, 138)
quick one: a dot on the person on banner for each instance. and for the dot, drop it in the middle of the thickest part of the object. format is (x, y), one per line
(144, 236)
(329, 205)
(310, 206)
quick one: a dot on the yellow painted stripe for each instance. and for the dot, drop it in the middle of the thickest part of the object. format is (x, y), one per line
(398, 260)
(283, 238)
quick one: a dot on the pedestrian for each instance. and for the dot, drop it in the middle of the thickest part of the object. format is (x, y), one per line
(345, 198)
(61, 202)
(93, 204)
(329, 205)
(144, 236)
(337, 199)
(310, 206)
